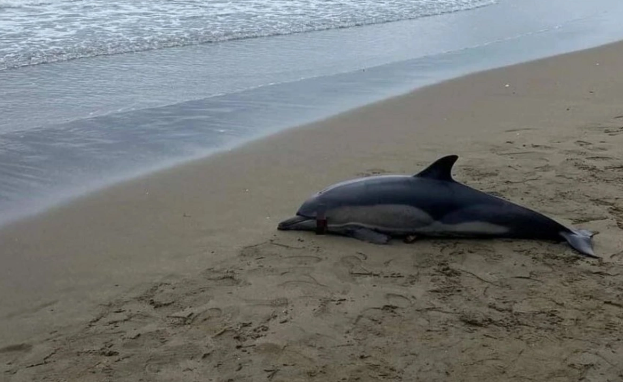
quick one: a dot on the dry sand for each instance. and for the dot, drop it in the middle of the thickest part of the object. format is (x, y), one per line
(182, 275)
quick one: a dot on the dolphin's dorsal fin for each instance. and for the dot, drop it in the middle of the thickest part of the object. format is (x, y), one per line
(441, 169)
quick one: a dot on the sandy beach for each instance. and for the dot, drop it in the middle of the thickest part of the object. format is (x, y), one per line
(182, 275)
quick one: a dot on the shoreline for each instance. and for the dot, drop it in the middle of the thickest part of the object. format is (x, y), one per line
(75, 151)
(172, 164)
(542, 133)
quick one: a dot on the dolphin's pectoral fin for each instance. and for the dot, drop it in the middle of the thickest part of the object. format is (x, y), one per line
(580, 240)
(365, 234)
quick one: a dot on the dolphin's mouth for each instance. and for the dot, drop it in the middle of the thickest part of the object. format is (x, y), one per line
(295, 223)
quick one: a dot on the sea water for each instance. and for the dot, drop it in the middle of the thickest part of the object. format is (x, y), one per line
(93, 92)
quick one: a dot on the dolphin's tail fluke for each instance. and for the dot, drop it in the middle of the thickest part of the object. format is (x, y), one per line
(580, 240)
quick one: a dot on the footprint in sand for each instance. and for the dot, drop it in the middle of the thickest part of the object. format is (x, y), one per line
(398, 300)
(171, 358)
(219, 278)
(299, 260)
(600, 158)
(614, 131)
(589, 146)
(16, 348)
(354, 266)
(303, 281)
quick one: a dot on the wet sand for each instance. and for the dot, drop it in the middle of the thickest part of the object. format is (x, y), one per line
(182, 275)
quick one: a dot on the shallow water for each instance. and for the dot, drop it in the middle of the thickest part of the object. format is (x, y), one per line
(72, 127)
(42, 31)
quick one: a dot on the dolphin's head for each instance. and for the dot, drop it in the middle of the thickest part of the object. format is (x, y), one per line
(305, 219)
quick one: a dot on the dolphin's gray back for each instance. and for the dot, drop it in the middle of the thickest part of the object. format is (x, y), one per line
(430, 205)
(392, 189)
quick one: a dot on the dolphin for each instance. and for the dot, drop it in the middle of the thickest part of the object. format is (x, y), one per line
(428, 204)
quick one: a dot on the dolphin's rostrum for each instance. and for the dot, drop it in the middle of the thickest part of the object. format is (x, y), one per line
(429, 203)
